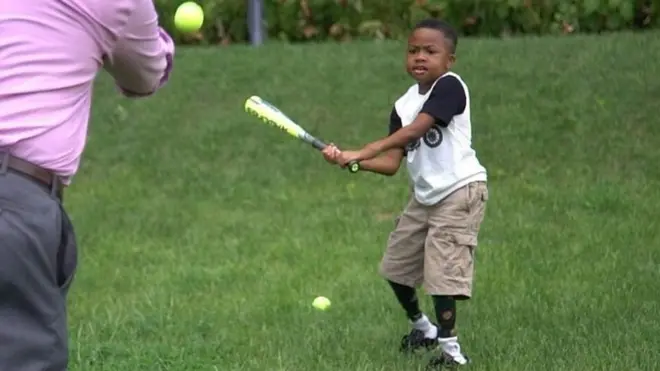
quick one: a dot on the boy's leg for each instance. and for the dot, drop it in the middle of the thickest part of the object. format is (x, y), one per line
(449, 262)
(403, 267)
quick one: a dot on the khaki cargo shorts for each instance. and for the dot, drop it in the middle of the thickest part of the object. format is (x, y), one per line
(434, 245)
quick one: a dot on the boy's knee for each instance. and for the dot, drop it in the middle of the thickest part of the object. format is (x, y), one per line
(406, 274)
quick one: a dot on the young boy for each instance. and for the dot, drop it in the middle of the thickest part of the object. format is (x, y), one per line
(435, 237)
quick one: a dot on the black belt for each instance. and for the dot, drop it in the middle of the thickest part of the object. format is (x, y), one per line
(45, 177)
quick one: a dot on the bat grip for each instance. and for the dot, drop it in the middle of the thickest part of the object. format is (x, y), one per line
(353, 166)
(318, 144)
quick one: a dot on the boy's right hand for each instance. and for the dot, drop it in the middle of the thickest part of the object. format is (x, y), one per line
(331, 153)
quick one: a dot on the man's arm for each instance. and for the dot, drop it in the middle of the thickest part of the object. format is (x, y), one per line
(142, 58)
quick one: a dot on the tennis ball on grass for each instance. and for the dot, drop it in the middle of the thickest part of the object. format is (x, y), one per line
(189, 17)
(321, 303)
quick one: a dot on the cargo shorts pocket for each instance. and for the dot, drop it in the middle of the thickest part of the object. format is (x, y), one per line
(478, 197)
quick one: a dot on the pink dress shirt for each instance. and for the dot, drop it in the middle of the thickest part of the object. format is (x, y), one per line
(50, 53)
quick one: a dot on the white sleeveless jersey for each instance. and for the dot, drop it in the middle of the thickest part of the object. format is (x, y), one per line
(443, 160)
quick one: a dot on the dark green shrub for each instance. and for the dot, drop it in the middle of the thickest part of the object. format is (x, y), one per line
(343, 20)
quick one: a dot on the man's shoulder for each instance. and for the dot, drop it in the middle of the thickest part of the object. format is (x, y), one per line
(112, 18)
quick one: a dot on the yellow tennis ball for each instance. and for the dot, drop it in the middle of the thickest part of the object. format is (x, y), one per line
(189, 17)
(321, 303)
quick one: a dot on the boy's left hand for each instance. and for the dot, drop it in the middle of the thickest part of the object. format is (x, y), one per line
(365, 153)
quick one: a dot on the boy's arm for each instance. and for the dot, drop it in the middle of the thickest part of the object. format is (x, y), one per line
(446, 100)
(387, 163)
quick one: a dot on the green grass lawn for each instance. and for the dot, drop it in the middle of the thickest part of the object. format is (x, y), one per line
(205, 235)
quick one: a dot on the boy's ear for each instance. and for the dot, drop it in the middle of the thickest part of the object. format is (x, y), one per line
(451, 61)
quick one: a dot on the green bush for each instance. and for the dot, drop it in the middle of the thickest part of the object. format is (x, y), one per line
(344, 20)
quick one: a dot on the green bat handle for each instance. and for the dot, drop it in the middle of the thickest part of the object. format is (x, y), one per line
(354, 167)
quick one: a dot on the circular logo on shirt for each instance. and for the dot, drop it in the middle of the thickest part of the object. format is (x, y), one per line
(413, 145)
(433, 137)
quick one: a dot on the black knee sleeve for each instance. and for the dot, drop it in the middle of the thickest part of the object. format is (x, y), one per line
(445, 312)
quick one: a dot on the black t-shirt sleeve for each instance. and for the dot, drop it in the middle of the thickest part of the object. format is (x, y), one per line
(395, 124)
(395, 121)
(447, 99)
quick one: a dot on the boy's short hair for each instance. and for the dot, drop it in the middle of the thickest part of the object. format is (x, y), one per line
(442, 26)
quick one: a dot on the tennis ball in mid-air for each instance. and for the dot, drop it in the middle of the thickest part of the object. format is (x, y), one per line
(321, 303)
(189, 17)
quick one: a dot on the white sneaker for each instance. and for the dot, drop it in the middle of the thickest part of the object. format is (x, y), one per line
(451, 355)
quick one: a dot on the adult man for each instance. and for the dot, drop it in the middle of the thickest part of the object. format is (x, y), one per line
(50, 53)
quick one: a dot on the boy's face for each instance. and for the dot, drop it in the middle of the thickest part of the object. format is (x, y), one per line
(429, 56)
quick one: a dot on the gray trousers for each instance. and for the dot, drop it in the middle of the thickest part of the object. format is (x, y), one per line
(38, 258)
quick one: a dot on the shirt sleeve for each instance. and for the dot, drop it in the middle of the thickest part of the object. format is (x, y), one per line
(142, 57)
(395, 121)
(395, 124)
(447, 99)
